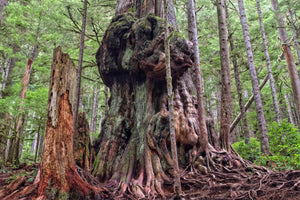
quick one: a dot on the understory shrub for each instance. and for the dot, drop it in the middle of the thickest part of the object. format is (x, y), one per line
(284, 140)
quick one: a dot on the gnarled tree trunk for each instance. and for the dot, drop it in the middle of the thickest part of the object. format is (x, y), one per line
(134, 140)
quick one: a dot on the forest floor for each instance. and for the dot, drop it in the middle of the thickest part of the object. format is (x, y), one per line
(219, 184)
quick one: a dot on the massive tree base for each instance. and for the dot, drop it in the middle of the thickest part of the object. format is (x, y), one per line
(228, 178)
(133, 149)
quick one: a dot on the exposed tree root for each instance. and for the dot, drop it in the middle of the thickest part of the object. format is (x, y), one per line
(20, 188)
(225, 180)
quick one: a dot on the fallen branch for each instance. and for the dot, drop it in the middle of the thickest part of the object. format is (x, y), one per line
(249, 102)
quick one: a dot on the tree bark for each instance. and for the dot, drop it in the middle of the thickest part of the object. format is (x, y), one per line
(192, 27)
(57, 171)
(225, 78)
(256, 92)
(295, 81)
(82, 143)
(268, 61)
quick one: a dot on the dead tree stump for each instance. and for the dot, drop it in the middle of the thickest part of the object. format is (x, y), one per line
(58, 172)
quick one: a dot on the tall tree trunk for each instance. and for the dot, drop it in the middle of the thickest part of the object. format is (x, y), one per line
(268, 61)
(93, 122)
(177, 183)
(15, 143)
(13, 156)
(192, 27)
(294, 34)
(295, 81)
(58, 172)
(171, 14)
(225, 77)
(79, 69)
(239, 92)
(256, 92)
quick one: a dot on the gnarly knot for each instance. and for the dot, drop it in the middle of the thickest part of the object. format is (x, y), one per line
(134, 49)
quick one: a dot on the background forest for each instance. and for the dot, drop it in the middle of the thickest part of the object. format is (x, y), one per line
(31, 29)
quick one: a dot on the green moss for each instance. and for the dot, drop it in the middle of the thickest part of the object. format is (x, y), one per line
(54, 193)
(126, 58)
(63, 195)
(96, 163)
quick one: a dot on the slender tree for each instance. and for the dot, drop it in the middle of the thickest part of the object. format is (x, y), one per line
(13, 155)
(239, 90)
(79, 68)
(16, 141)
(177, 184)
(256, 92)
(93, 122)
(192, 28)
(291, 65)
(225, 77)
(268, 61)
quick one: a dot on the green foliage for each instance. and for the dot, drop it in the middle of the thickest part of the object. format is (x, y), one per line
(284, 142)
(285, 145)
(249, 151)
